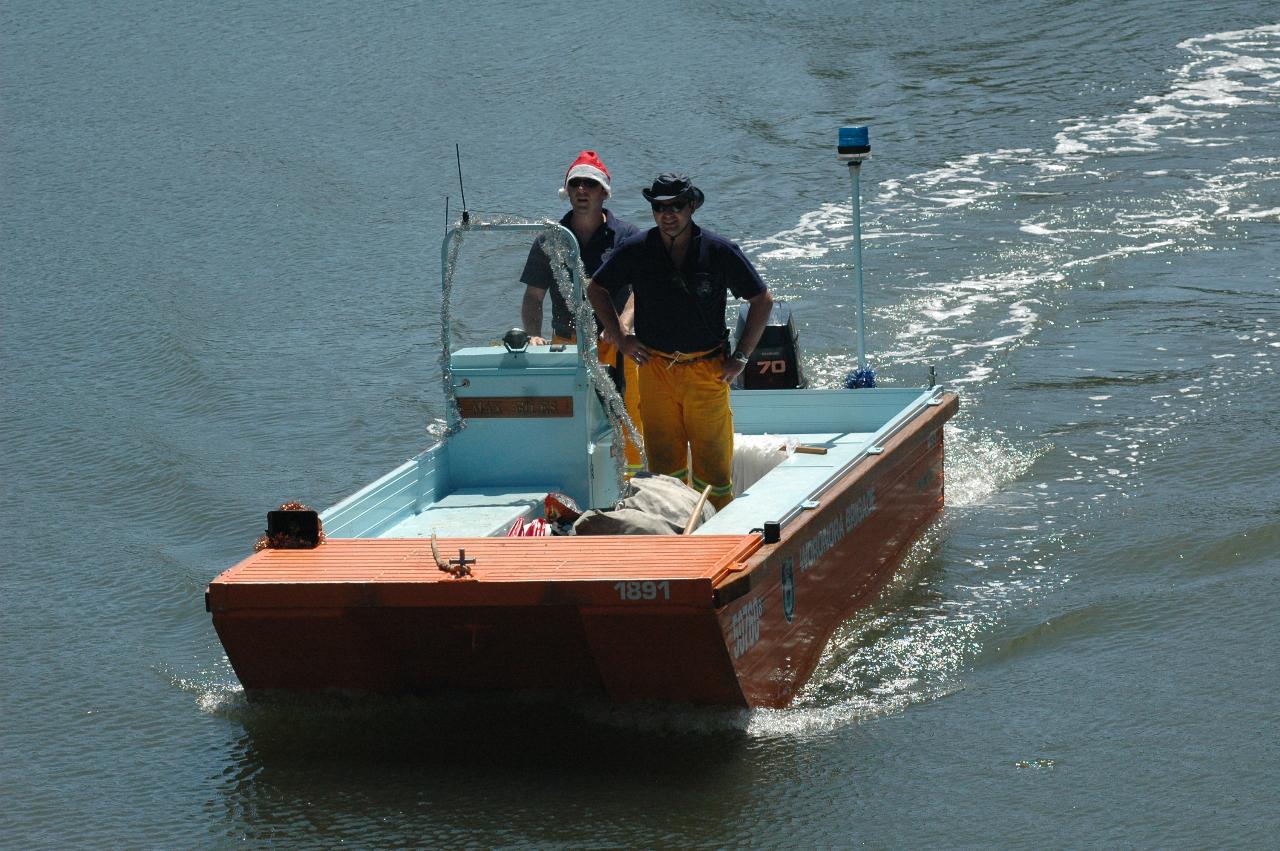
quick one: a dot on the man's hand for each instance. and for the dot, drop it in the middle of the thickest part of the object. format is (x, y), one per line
(535, 340)
(732, 369)
(633, 349)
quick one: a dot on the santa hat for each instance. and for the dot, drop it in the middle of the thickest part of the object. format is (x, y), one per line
(588, 165)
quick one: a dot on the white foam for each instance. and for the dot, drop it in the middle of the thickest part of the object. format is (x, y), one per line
(1226, 71)
(1254, 214)
(1038, 230)
(1122, 251)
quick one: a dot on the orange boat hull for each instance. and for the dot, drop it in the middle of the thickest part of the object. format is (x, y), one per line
(834, 560)
(704, 619)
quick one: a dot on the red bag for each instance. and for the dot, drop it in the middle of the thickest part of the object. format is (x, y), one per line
(560, 508)
(536, 528)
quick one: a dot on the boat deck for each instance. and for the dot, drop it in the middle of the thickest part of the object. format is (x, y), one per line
(490, 511)
(392, 572)
(789, 483)
(473, 512)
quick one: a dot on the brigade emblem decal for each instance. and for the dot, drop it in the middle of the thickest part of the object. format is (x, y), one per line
(788, 590)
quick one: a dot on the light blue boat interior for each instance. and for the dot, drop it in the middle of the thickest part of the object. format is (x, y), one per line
(480, 480)
(498, 469)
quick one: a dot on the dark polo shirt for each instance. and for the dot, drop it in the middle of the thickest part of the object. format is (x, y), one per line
(681, 312)
(537, 268)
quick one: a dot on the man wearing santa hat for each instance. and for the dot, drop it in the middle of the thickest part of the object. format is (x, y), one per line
(586, 187)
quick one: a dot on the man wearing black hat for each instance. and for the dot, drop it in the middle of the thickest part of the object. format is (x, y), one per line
(680, 275)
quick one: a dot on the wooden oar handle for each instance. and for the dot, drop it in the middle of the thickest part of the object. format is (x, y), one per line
(805, 449)
(697, 511)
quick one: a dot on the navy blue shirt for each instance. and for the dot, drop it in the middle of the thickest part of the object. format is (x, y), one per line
(680, 310)
(537, 268)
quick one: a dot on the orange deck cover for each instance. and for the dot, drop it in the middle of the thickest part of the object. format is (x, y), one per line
(507, 571)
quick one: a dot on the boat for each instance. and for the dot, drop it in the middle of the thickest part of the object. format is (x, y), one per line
(418, 583)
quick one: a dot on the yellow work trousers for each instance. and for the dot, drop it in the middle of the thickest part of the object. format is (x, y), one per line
(608, 355)
(686, 414)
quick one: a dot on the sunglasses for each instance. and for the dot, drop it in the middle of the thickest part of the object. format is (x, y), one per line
(579, 182)
(674, 206)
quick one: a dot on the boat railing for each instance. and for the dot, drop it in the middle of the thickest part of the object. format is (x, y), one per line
(566, 252)
(561, 248)
(571, 261)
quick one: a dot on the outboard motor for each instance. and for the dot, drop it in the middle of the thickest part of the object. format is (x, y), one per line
(775, 364)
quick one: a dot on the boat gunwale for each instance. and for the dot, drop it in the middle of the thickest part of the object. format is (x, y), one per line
(728, 592)
(875, 449)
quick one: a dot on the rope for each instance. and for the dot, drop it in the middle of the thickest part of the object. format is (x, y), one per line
(584, 318)
(454, 422)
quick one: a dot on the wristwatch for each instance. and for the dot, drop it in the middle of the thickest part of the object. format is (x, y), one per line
(741, 357)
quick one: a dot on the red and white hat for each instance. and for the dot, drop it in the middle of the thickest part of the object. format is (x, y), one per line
(587, 165)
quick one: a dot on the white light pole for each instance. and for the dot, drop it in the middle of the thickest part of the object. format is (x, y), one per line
(855, 146)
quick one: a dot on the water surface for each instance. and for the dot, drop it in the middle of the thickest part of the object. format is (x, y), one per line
(220, 232)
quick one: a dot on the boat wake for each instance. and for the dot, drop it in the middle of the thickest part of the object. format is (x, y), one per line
(971, 285)
(963, 267)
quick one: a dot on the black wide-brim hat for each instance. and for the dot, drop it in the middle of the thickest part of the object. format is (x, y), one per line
(669, 186)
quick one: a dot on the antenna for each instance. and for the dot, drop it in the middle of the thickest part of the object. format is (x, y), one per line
(466, 216)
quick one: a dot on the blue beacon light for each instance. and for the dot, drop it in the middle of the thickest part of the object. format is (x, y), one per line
(854, 144)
